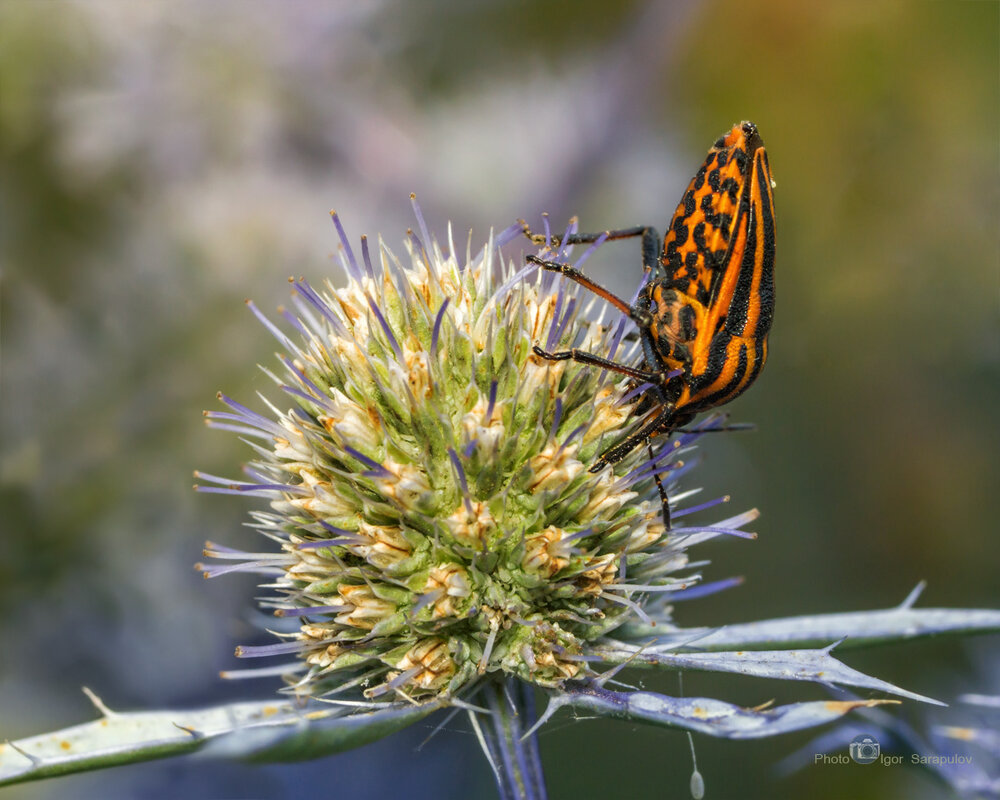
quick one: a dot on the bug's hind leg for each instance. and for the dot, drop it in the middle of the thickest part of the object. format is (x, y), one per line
(664, 500)
(657, 425)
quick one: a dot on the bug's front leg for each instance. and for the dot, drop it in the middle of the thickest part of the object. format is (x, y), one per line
(652, 245)
(638, 315)
(583, 357)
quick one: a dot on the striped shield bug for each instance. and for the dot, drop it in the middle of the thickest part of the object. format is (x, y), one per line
(705, 308)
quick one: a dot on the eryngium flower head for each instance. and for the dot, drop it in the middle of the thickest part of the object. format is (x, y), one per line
(429, 485)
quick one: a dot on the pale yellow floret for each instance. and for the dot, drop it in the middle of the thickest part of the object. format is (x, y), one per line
(417, 373)
(555, 467)
(450, 582)
(471, 529)
(609, 414)
(649, 529)
(349, 352)
(406, 483)
(435, 663)
(545, 553)
(367, 609)
(605, 498)
(384, 545)
(324, 502)
(487, 433)
(602, 571)
(547, 661)
(353, 423)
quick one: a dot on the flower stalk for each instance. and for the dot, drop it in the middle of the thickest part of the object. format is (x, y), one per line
(508, 739)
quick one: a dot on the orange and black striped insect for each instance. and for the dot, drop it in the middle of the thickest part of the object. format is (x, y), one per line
(705, 310)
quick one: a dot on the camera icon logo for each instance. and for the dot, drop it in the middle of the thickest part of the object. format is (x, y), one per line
(864, 748)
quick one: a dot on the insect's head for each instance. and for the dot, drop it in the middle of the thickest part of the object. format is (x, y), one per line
(743, 136)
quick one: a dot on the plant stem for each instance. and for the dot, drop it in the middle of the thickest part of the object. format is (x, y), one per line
(516, 764)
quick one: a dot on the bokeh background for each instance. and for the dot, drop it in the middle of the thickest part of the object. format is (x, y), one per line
(163, 161)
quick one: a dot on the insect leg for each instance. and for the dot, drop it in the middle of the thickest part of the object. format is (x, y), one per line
(584, 357)
(651, 242)
(641, 318)
(619, 451)
(664, 500)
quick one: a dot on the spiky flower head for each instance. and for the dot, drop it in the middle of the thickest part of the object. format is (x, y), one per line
(428, 479)
(441, 540)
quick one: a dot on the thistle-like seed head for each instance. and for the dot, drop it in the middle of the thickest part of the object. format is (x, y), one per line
(429, 486)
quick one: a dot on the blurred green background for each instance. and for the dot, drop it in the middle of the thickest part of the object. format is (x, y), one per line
(163, 161)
